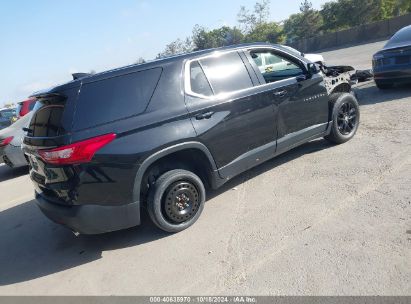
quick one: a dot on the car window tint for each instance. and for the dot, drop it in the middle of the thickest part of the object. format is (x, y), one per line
(198, 80)
(276, 67)
(31, 106)
(115, 98)
(272, 59)
(258, 59)
(47, 121)
(226, 73)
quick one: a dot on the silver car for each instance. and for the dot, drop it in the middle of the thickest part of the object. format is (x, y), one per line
(10, 143)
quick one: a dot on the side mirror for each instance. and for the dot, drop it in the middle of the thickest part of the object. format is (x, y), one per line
(302, 77)
(312, 68)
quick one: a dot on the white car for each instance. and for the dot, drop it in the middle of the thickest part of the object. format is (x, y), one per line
(316, 58)
(269, 63)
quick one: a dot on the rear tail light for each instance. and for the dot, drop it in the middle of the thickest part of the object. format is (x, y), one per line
(79, 152)
(6, 141)
(26, 106)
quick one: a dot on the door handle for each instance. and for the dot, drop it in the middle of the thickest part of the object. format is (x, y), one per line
(204, 115)
(280, 93)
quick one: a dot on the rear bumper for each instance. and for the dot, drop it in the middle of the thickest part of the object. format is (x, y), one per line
(15, 156)
(91, 219)
(393, 75)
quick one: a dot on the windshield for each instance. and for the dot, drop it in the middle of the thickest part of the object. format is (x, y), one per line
(8, 113)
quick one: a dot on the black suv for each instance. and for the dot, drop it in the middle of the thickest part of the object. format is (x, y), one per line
(157, 134)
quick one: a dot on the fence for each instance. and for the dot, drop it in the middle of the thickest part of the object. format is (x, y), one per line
(357, 35)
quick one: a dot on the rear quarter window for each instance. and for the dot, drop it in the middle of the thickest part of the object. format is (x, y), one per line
(198, 80)
(115, 98)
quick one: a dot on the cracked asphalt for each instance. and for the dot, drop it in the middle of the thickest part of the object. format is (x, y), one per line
(318, 220)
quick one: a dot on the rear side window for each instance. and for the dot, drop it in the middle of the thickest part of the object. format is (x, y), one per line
(226, 73)
(198, 80)
(115, 98)
(31, 105)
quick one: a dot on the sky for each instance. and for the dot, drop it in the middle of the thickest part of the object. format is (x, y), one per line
(43, 42)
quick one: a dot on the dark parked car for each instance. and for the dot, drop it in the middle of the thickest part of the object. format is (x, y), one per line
(392, 65)
(156, 135)
(25, 107)
(6, 117)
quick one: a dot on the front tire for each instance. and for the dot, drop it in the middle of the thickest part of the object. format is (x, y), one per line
(176, 200)
(345, 119)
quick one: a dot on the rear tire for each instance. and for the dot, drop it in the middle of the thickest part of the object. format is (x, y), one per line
(345, 118)
(176, 200)
(383, 86)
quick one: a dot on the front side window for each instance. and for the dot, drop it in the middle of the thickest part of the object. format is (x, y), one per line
(226, 73)
(275, 67)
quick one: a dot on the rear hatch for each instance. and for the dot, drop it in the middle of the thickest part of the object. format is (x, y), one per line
(73, 122)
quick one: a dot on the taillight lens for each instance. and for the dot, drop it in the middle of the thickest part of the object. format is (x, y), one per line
(77, 153)
(6, 141)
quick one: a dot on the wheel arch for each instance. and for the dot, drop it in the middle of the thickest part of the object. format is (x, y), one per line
(342, 88)
(174, 154)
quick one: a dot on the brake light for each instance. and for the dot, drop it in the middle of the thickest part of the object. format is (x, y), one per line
(79, 152)
(6, 141)
(25, 106)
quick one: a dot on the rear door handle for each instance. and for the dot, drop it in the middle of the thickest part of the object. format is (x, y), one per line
(204, 115)
(280, 93)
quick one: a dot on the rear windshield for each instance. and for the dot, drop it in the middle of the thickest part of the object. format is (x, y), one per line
(115, 98)
(401, 36)
(8, 113)
(53, 118)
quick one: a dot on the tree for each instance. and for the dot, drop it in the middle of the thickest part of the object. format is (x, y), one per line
(223, 36)
(250, 20)
(177, 47)
(402, 7)
(266, 32)
(140, 60)
(306, 24)
(332, 16)
(344, 14)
